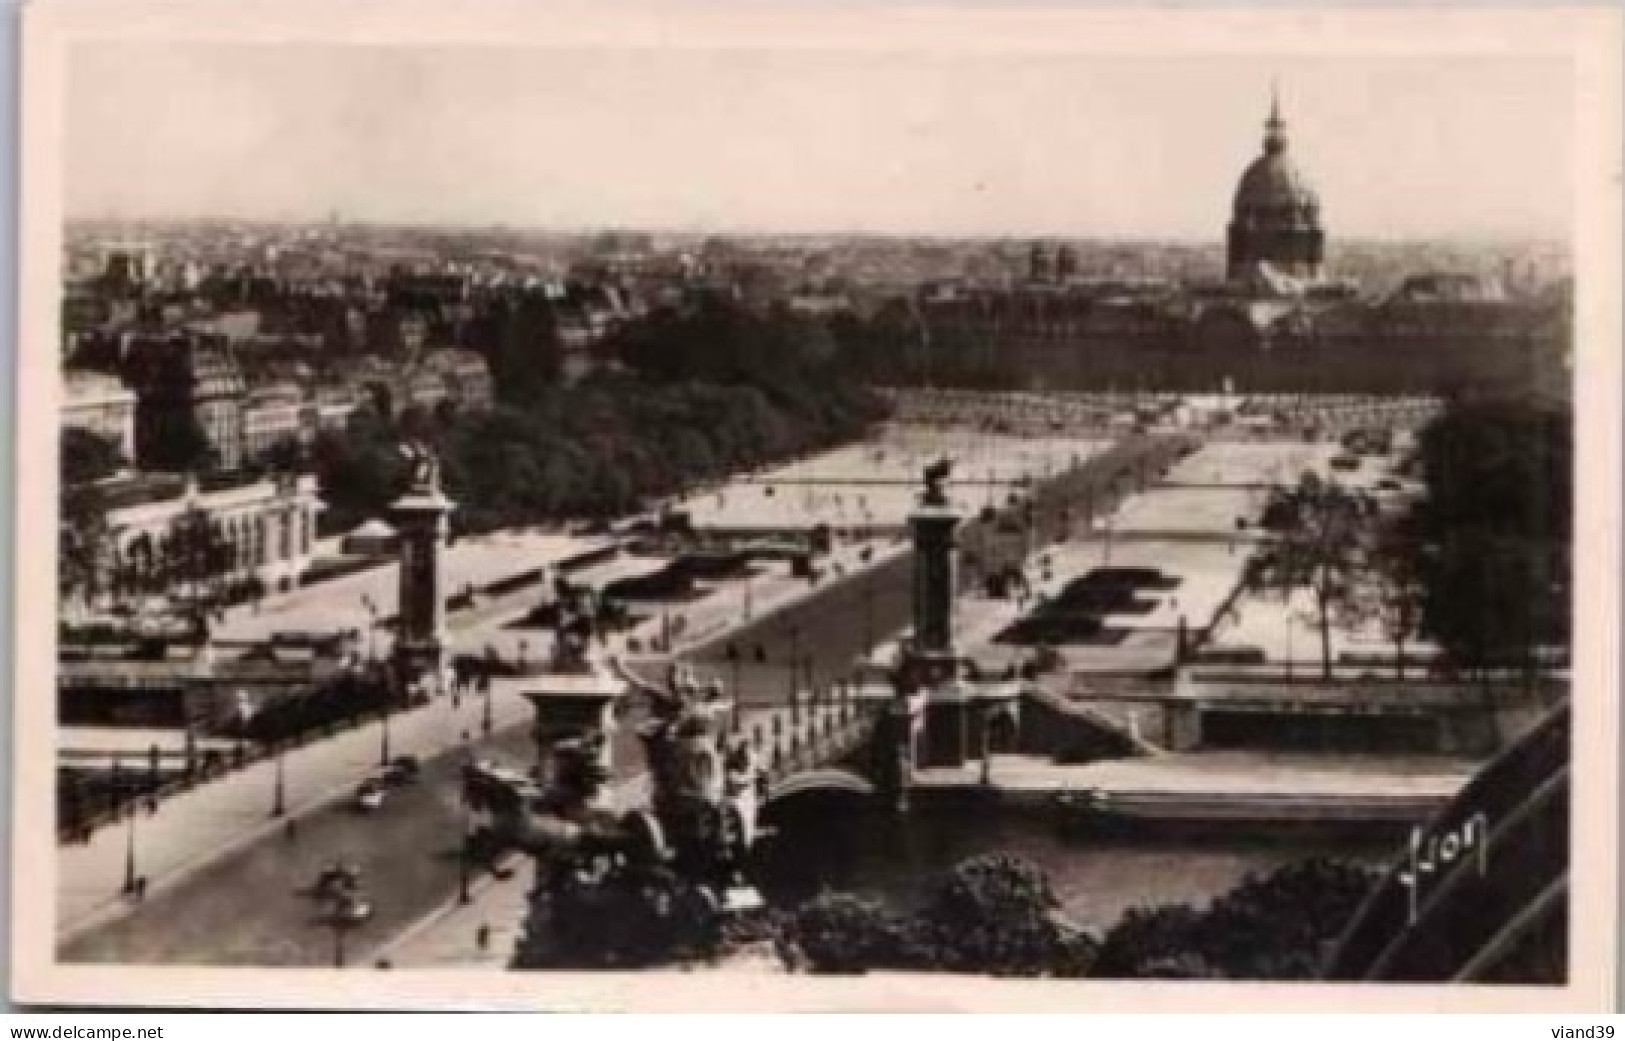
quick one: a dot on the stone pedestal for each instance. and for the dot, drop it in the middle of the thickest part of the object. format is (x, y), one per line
(570, 707)
(420, 519)
(949, 726)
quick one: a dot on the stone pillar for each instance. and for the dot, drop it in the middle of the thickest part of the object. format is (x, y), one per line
(949, 726)
(1183, 725)
(933, 525)
(420, 522)
(898, 734)
(933, 529)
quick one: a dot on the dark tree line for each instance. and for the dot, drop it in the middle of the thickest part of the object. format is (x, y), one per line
(709, 393)
(1494, 532)
(997, 914)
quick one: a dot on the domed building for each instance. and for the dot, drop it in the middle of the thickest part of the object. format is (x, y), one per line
(1275, 222)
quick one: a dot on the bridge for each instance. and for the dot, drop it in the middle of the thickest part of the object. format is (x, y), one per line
(1198, 707)
(800, 744)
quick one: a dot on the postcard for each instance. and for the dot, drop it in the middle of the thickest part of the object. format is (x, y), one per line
(939, 507)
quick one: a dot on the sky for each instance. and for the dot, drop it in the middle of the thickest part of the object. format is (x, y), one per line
(908, 142)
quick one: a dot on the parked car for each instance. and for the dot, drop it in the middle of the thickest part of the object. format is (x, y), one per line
(370, 795)
(403, 769)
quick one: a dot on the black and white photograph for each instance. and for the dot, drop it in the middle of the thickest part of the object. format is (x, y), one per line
(1022, 497)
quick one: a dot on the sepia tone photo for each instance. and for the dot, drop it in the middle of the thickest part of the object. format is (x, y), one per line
(1033, 497)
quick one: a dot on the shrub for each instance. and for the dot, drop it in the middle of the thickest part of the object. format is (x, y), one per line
(845, 933)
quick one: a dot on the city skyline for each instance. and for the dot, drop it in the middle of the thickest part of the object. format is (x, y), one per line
(302, 133)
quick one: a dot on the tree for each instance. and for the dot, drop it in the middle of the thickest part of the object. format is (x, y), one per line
(1495, 529)
(194, 561)
(1394, 590)
(87, 456)
(82, 538)
(174, 441)
(287, 456)
(1318, 537)
(998, 914)
(1273, 927)
(845, 933)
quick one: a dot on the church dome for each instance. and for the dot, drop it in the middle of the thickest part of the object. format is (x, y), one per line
(1276, 217)
(1273, 191)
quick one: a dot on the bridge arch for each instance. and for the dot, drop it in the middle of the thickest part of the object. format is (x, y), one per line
(827, 780)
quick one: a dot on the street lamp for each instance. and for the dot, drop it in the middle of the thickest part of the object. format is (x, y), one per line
(372, 626)
(733, 662)
(278, 794)
(383, 737)
(795, 659)
(348, 910)
(868, 615)
(130, 881)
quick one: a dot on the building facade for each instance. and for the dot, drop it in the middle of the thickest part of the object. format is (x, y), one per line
(272, 414)
(269, 526)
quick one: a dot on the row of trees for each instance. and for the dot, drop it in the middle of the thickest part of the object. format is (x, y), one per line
(1480, 564)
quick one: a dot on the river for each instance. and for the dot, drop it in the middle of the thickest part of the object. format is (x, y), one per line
(1096, 879)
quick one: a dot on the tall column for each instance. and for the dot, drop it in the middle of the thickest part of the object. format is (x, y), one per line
(934, 525)
(420, 519)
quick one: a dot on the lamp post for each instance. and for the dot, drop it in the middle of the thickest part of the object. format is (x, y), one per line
(485, 715)
(372, 627)
(795, 659)
(348, 911)
(278, 791)
(130, 882)
(383, 736)
(868, 615)
(733, 662)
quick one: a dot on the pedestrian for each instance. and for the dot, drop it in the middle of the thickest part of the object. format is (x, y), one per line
(292, 829)
(482, 936)
(141, 889)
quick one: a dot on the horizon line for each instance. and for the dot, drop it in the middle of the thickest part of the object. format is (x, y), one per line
(448, 225)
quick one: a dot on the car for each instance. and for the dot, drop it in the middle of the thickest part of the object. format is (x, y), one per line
(403, 769)
(349, 910)
(370, 795)
(336, 879)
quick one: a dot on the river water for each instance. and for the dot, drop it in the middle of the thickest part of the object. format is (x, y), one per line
(1096, 878)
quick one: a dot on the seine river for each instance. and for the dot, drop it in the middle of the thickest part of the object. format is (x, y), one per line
(1096, 878)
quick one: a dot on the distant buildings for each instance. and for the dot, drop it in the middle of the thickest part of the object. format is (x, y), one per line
(1275, 323)
(102, 404)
